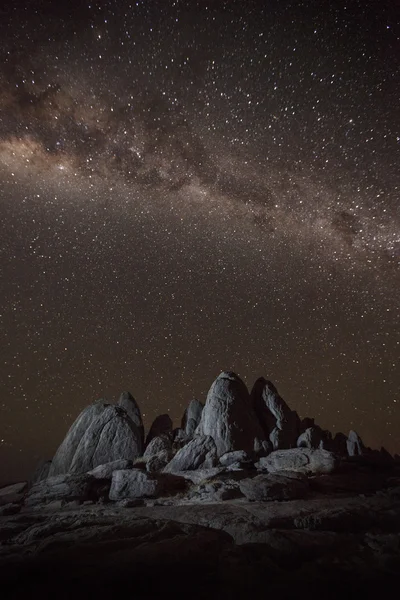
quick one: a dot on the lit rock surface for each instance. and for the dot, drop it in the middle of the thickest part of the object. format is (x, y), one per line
(228, 416)
(102, 433)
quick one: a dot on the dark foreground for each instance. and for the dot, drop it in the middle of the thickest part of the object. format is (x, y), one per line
(322, 547)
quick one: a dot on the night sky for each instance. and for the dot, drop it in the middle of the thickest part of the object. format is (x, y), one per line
(195, 186)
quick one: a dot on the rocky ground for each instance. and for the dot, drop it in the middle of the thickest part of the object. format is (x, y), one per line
(341, 537)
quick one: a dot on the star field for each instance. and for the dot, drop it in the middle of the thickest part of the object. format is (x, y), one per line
(188, 187)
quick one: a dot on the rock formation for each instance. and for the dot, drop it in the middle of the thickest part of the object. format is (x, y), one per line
(128, 403)
(102, 433)
(191, 417)
(161, 425)
(228, 416)
(280, 424)
(355, 446)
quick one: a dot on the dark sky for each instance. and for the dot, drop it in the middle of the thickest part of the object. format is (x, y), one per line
(195, 186)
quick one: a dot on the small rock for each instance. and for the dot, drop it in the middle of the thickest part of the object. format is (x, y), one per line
(233, 457)
(158, 462)
(161, 425)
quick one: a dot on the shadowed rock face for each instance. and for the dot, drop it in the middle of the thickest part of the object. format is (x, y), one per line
(128, 403)
(191, 417)
(228, 416)
(199, 453)
(280, 424)
(161, 425)
(102, 433)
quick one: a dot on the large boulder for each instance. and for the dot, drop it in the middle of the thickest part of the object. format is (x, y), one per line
(228, 416)
(288, 486)
(280, 424)
(301, 460)
(160, 443)
(102, 433)
(191, 417)
(199, 453)
(128, 403)
(67, 488)
(161, 425)
(136, 483)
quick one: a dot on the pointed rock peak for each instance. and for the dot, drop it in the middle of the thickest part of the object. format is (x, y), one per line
(229, 375)
(228, 416)
(161, 425)
(126, 396)
(191, 416)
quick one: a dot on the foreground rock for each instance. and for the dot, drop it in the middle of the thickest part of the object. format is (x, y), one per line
(102, 433)
(320, 548)
(136, 483)
(301, 460)
(264, 488)
(106, 471)
(228, 416)
(199, 453)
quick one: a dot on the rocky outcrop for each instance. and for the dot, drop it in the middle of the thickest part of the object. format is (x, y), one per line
(301, 460)
(199, 453)
(280, 424)
(355, 446)
(230, 458)
(66, 488)
(191, 417)
(228, 416)
(312, 437)
(277, 486)
(102, 433)
(161, 425)
(129, 404)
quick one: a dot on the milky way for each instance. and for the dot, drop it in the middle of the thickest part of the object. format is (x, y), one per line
(190, 187)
